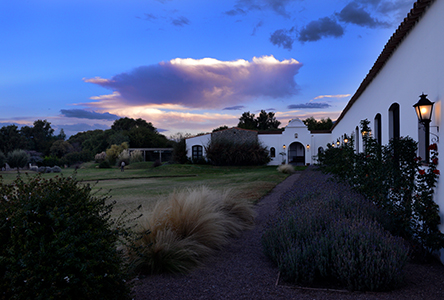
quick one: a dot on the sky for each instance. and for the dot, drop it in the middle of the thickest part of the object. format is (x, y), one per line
(186, 66)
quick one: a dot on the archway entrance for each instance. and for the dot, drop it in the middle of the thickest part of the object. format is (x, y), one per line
(296, 154)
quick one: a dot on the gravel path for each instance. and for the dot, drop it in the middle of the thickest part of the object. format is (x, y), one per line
(241, 270)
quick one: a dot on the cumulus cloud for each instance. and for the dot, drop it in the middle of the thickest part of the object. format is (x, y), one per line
(180, 21)
(84, 114)
(202, 83)
(356, 14)
(310, 105)
(324, 27)
(283, 38)
(237, 107)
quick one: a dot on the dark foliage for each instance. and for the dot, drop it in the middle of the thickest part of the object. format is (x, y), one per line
(223, 152)
(313, 124)
(324, 233)
(58, 242)
(394, 178)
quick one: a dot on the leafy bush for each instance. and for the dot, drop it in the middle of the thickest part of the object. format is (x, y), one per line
(99, 157)
(156, 163)
(113, 152)
(186, 227)
(2, 159)
(136, 156)
(104, 164)
(124, 156)
(18, 159)
(327, 234)
(394, 178)
(286, 169)
(58, 242)
(50, 161)
(223, 152)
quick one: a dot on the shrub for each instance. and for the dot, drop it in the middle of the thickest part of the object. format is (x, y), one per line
(286, 169)
(327, 234)
(104, 165)
(223, 152)
(156, 163)
(124, 156)
(56, 169)
(50, 161)
(393, 177)
(2, 159)
(18, 159)
(136, 156)
(113, 152)
(99, 157)
(187, 227)
(58, 242)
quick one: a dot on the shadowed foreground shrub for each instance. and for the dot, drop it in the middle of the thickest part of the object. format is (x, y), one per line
(58, 242)
(326, 238)
(187, 227)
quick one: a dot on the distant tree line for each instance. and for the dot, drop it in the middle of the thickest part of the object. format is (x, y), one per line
(44, 148)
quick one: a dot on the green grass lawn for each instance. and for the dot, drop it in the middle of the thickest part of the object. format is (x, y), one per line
(141, 184)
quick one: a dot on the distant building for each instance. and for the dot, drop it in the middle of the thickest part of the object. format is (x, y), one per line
(411, 64)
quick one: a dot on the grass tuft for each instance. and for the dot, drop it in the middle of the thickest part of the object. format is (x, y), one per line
(286, 169)
(187, 227)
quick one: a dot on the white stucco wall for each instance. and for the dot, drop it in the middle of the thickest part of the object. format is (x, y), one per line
(201, 140)
(416, 67)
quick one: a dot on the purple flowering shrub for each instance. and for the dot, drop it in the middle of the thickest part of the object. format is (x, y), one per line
(325, 233)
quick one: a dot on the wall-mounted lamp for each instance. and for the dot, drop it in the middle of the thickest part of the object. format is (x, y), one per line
(308, 147)
(333, 144)
(424, 109)
(283, 147)
(338, 143)
(346, 140)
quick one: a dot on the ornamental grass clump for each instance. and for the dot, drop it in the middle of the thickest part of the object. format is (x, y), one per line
(187, 227)
(324, 234)
(58, 242)
(286, 169)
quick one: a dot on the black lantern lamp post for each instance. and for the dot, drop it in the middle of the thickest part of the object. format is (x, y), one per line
(424, 108)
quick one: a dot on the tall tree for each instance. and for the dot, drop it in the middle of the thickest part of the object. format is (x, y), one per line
(313, 124)
(128, 123)
(10, 139)
(247, 121)
(264, 121)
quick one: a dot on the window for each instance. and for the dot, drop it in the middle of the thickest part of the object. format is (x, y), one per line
(377, 129)
(357, 136)
(197, 152)
(394, 127)
(272, 152)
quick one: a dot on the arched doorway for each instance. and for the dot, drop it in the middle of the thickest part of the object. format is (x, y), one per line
(296, 154)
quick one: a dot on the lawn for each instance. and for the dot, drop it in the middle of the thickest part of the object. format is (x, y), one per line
(141, 184)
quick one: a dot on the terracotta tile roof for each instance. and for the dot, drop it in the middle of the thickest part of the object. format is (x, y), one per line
(406, 26)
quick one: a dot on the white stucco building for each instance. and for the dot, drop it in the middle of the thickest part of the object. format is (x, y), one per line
(411, 64)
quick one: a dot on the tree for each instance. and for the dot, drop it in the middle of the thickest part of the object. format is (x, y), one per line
(18, 159)
(264, 121)
(2, 159)
(247, 121)
(60, 147)
(128, 123)
(220, 128)
(10, 139)
(313, 124)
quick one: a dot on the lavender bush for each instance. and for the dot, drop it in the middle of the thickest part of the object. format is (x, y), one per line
(326, 233)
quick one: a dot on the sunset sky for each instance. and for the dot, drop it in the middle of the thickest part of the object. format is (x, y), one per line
(186, 66)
